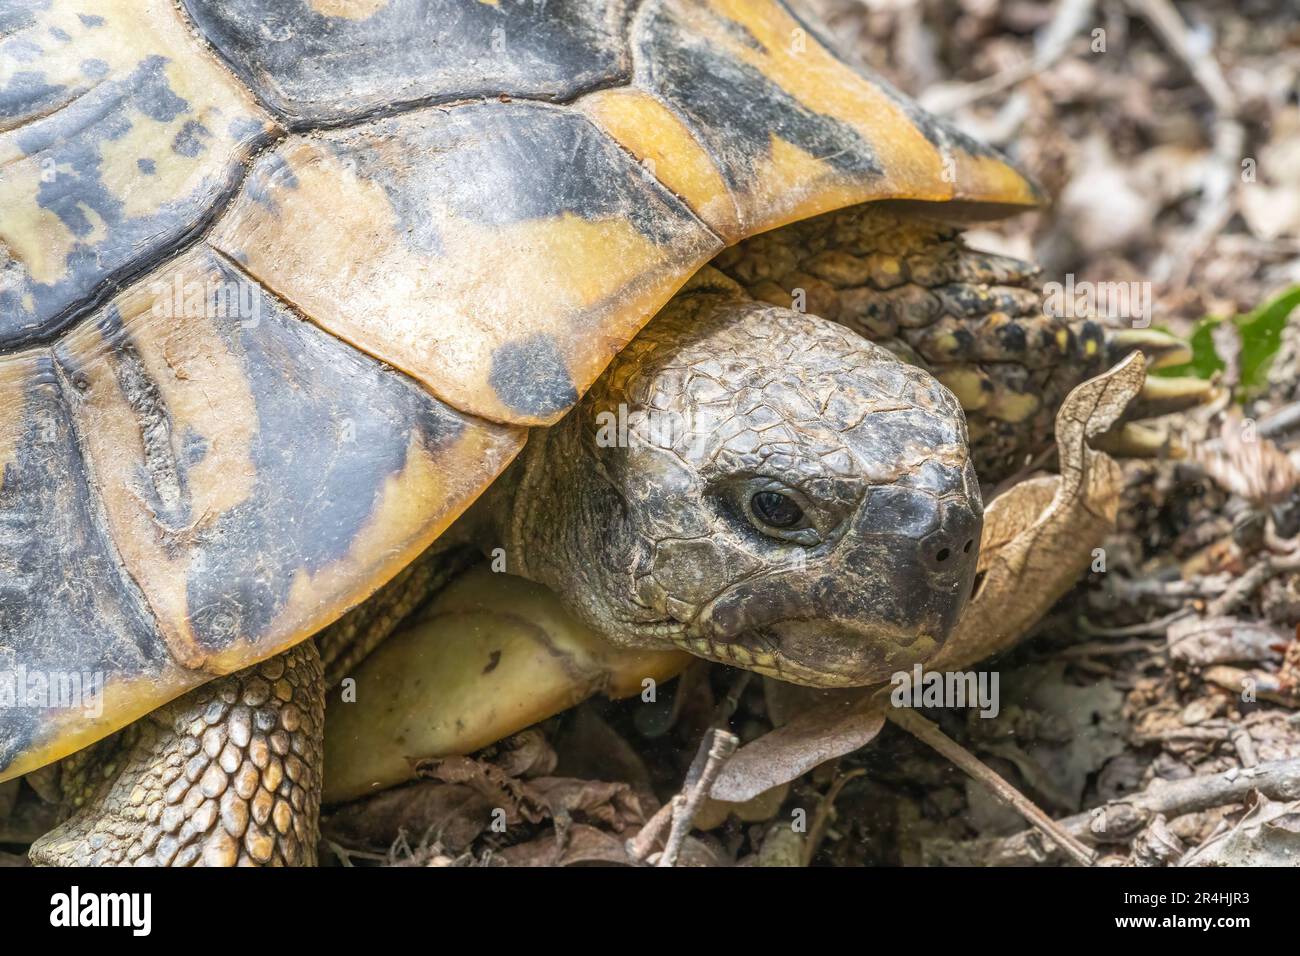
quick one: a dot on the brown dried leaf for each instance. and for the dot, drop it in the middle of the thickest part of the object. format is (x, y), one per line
(823, 733)
(525, 754)
(426, 812)
(498, 788)
(1246, 464)
(1268, 835)
(581, 845)
(1037, 544)
(615, 805)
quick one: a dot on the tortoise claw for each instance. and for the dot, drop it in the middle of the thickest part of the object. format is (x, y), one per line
(1160, 349)
(1164, 396)
(1138, 440)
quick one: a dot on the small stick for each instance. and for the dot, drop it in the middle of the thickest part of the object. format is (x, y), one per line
(1158, 626)
(641, 845)
(1245, 746)
(1241, 589)
(727, 706)
(929, 733)
(823, 813)
(715, 750)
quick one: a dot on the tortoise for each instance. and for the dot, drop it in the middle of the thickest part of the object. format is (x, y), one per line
(289, 285)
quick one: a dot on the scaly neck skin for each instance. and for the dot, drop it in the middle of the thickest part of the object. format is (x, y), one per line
(557, 518)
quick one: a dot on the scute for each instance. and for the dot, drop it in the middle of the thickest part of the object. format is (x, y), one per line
(119, 134)
(511, 249)
(319, 62)
(64, 600)
(254, 477)
(792, 129)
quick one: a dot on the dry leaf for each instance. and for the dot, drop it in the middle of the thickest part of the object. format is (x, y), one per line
(425, 812)
(1246, 464)
(823, 733)
(1268, 835)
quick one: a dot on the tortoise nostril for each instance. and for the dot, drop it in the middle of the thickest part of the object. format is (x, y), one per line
(942, 555)
(969, 544)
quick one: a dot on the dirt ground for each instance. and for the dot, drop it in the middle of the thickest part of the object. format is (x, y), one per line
(1153, 714)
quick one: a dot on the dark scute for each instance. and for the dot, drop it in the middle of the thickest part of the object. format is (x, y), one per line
(65, 603)
(498, 164)
(332, 427)
(317, 70)
(531, 377)
(69, 143)
(734, 108)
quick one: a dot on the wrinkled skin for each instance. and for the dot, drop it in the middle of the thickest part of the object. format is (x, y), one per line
(759, 487)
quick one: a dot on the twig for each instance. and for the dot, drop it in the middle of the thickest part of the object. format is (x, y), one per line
(1255, 577)
(715, 751)
(1158, 626)
(823, 813)
(1099, 649)
(1280, 421)
(929, 733)
(641, 845)
(1143, 590)
(727, 706)
(1264, 685)
(1118, 820)
(1245, 747)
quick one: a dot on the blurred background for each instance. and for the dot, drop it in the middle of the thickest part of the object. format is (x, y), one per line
(1167, 135)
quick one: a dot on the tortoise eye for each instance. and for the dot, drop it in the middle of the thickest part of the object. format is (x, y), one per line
(775, 509)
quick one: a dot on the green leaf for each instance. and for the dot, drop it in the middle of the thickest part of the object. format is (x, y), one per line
(1205, 358)
(1261, 337)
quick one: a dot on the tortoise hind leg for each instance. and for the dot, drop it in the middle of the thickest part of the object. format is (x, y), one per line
(229, 774)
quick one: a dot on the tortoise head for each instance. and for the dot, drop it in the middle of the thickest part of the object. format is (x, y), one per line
(759, 487)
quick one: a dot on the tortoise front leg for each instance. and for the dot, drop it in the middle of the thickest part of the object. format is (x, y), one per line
(229, 774)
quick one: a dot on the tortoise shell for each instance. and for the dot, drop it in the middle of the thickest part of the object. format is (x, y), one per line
(284, 283)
